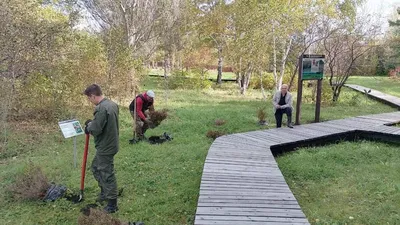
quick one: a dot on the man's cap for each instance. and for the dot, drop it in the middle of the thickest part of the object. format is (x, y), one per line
(150, 93)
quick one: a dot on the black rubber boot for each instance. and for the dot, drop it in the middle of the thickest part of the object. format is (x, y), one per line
(111, 206)
(289, 122)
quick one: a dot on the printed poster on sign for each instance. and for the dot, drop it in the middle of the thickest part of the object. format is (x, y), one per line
(313, 67)
(70, 128)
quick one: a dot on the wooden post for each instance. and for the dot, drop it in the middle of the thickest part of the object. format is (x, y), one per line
(299, 91)
(134, 116)
(318, 103)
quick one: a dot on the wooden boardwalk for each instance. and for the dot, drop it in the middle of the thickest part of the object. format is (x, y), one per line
(242, 184)
(388, 99)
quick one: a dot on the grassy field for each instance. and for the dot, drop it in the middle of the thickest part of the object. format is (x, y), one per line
(346, 183)
(383, 84)
(161, 182)
(212, 74)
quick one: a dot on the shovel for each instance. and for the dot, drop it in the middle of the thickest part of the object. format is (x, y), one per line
(83, 172)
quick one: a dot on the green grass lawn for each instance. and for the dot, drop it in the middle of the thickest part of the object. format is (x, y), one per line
(383, 84)
(346, 183)
(161, 182)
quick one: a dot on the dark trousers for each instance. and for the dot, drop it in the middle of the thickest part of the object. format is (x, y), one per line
(279, 113)
(103, 172)
(140, 127)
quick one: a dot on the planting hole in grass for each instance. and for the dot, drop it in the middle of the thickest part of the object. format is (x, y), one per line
(349, 182)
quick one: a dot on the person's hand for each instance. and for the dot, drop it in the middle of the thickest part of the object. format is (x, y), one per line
(277, 106)
(148, 121)
(87, 124)
(86, 129)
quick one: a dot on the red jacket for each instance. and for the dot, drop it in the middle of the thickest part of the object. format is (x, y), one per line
(140, 104)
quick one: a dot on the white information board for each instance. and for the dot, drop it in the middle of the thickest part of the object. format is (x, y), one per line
(70, 128)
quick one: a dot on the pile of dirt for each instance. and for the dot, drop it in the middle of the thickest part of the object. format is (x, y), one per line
(158, 116)
(30, 185)
(214, 134)
(93, 216)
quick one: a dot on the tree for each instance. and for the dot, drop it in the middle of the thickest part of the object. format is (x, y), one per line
(32, 40)
(137, 19)
(345, 46)
(213, 28)
(389, 52)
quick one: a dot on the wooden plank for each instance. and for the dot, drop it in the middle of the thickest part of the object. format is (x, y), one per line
(247, 197)
(251, 205)
(239, 162)
(277, 189)
(247, 219)
(250, 180)
(237, 167)
(248, 202)
(214, 222)
(224, 211)
(241, 140)
(287, 137)
(265, 183)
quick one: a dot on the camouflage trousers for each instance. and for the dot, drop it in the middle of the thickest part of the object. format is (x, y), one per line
(140, 128)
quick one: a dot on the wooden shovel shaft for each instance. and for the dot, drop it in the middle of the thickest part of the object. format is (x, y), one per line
(84, 160)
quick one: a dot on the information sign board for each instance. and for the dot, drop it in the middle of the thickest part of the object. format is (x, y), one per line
(313, 67)
(70, 128)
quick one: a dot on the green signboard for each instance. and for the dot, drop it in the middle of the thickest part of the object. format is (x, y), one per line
(313, 67)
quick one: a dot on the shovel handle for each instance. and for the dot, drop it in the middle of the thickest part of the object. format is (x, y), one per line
(85, 153)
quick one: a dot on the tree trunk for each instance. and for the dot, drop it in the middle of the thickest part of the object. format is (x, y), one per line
(246, 79)
(262, 87)
(274, 64)
(241, 83)
(284, 59)
(166, 64)
(336, 93)
(219, 76)
(293, 75)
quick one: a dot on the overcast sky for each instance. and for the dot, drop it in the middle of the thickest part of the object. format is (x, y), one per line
(386, 7)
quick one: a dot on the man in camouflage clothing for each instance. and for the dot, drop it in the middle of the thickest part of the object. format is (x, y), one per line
(105, 130)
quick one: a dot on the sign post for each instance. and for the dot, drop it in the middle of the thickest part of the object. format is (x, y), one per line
(71, 128)
(311, 67)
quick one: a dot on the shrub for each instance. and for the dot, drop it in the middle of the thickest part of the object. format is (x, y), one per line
(31, 185)
(214, 134)
(267, 81)
(158, 116)
(261, 114)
